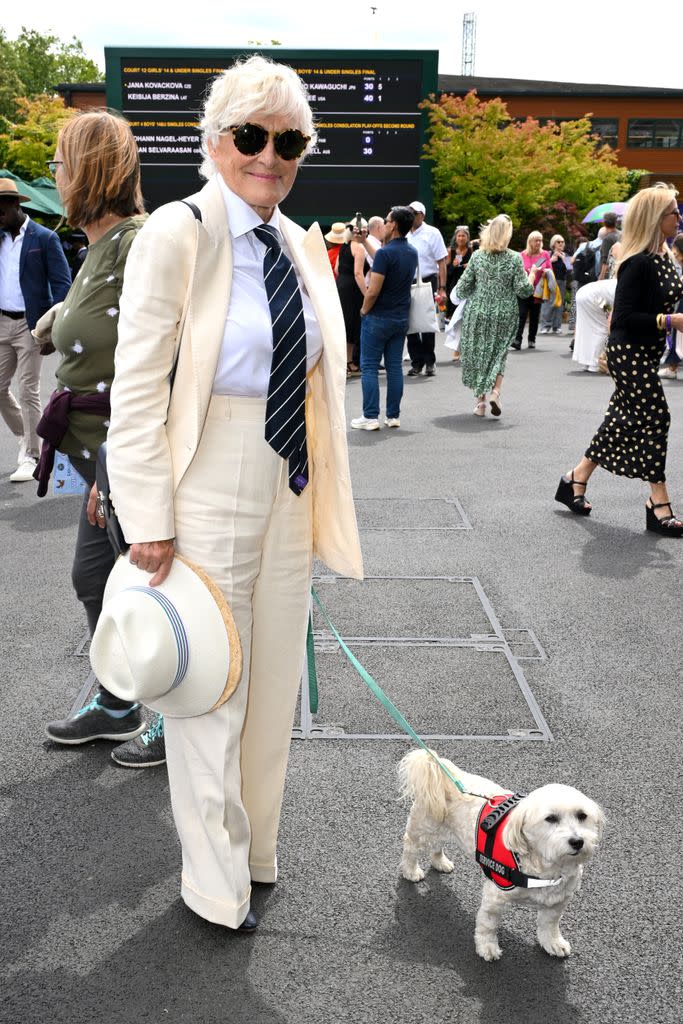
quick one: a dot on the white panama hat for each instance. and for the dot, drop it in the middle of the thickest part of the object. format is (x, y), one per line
(175, 647)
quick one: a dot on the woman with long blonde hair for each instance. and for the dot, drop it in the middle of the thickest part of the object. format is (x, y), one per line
(492, 282)
(632, 439)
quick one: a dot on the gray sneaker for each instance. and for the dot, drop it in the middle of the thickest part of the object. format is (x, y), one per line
(145, 751)
(93, 722)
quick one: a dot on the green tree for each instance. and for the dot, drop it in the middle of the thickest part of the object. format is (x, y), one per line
(27, 145)
(485, 163)
(34, 63)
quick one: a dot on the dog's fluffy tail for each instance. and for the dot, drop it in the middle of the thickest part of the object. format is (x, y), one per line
(421, 781)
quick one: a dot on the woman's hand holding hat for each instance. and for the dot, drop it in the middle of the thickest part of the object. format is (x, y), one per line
(155, 556)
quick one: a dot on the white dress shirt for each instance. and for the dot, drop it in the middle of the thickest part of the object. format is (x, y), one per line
(430, 248)
(247, 348)
(11, 297)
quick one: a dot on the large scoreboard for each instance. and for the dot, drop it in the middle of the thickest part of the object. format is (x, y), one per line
(366, 105)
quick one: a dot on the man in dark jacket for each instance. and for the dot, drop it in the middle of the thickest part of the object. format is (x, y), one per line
(34, 275)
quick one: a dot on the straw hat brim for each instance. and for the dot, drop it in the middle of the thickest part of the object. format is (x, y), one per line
(235, 670)
(12, 193)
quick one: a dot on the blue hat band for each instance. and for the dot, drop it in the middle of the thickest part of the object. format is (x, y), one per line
(182, 642)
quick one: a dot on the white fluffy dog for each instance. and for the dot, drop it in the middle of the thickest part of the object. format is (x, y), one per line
(553, 832)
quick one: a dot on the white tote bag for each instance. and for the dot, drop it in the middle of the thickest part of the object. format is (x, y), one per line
(422, 318)
(454, 327)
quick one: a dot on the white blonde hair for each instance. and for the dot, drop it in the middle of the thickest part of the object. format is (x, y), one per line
(533, 234)
(555, 238)
(495, 235)
(642, 230)
(254, 86)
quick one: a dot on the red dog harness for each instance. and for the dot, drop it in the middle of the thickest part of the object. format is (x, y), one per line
(497, 862)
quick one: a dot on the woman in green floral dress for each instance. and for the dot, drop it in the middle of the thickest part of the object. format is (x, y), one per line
(493, 281)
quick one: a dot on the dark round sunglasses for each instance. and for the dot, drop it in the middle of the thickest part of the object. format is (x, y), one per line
(251, 139)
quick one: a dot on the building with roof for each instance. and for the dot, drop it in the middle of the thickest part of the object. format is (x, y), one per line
(644, 124)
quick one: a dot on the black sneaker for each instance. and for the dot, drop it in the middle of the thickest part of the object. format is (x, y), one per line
(93, 722)
(414, 371)
(430, 371)
(145, 751)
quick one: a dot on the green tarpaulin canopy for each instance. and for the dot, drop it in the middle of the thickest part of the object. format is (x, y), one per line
(42, 193)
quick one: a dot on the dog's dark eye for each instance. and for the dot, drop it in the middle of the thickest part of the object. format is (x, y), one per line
(581, 815)
(553, 819)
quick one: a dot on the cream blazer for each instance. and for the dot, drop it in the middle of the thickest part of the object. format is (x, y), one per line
(175, 300)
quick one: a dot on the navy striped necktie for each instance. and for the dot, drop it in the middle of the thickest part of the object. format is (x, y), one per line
(285, 429)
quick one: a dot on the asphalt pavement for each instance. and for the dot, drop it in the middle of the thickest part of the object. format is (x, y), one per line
(539, 646)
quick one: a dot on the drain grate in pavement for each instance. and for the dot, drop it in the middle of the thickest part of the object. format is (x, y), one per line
(414, 515)
(83, 648)
(444, 659)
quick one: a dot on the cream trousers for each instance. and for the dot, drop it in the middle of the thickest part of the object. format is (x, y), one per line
(237, 518)
(19, 354)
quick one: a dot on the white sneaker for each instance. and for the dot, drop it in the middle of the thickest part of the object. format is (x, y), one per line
(25, 471)
(668, 372)
(361, 423)
(392, 421)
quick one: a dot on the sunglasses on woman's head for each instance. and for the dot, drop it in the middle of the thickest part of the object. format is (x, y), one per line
(251, 139)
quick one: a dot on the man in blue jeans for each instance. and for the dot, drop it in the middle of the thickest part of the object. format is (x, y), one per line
(384, 320)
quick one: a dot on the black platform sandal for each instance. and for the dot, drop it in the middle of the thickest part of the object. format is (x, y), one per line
(670, 526)
(574, 502)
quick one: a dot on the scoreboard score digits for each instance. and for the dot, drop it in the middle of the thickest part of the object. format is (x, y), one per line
(369, 124)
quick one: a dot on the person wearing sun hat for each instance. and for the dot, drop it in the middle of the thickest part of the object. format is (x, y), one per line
(335, 238)
(34, 275)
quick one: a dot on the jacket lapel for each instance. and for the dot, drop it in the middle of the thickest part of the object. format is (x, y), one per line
(210, 295)
(30, 230)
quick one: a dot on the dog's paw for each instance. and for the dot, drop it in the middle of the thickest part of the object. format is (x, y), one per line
(413, 873)
(440, 862)
(555, 945)
(488, 949)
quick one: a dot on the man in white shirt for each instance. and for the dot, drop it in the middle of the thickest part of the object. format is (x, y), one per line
(432, 252)
(34, 275)
(372, 241)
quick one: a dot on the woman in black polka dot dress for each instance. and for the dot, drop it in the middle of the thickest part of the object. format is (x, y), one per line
(632, 439)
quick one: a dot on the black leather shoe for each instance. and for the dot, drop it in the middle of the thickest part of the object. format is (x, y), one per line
(516, 345)
(414, 371)
(249, 924)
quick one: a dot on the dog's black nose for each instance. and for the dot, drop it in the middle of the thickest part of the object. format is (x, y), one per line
(576, 844)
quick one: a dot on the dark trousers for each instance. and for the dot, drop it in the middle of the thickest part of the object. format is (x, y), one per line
(93, 561)
(421, 347)
(532, 309)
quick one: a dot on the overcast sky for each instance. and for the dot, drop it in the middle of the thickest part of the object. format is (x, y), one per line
(611, 42)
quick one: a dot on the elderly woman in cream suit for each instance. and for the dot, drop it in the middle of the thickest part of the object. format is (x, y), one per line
(194, 467)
